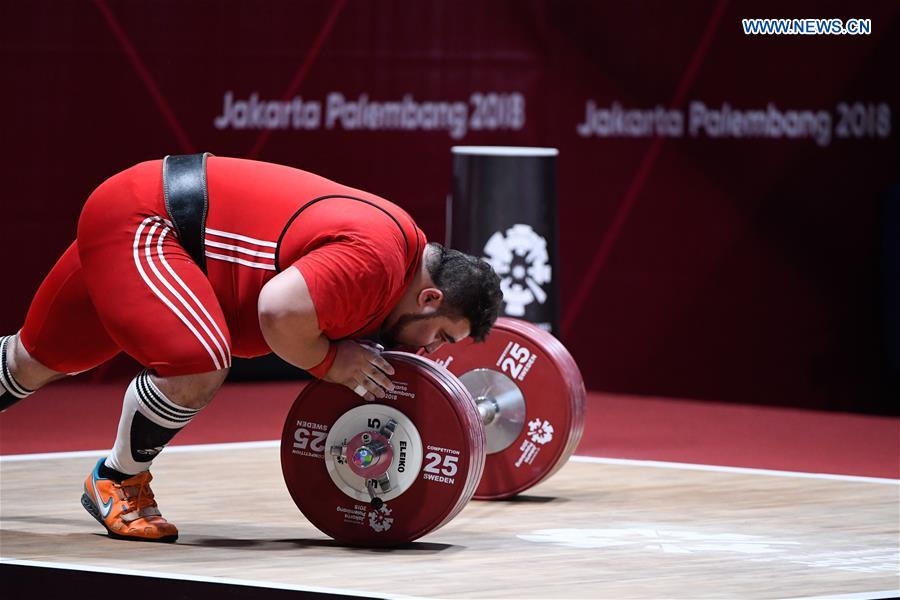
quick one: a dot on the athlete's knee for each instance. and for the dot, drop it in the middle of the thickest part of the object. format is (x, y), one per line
(191, 391)
(24, 369)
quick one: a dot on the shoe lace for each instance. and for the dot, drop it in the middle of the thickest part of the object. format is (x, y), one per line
(139, 498)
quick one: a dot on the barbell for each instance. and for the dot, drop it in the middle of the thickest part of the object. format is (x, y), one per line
(485, 420)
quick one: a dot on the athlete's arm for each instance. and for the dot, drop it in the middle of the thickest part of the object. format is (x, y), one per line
(290, 326)
(287, 317)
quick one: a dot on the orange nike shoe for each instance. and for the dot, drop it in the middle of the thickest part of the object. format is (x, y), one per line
(127, 509)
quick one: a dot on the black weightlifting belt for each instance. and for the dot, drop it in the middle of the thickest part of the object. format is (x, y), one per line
(187, 201)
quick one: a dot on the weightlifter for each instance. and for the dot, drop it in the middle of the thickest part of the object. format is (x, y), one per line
(186, 262)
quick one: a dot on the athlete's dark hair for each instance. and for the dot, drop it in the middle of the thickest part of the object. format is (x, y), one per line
(471, 287)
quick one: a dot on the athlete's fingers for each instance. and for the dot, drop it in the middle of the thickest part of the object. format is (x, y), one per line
(377, 376)
(373, 345)
(362, 388)
(375, 388)
(383, 365)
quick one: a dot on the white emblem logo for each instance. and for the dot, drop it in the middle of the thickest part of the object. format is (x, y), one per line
(520, 259)
(380, 520)
(541, 432)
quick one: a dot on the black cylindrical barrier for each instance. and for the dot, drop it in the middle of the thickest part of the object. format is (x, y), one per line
(503, 208)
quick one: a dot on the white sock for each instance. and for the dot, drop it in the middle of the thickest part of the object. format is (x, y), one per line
(8, 383)
(149, 421)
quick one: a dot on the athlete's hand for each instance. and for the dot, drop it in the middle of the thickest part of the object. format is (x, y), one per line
(360, 367)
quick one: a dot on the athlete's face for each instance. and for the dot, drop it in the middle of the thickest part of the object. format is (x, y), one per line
(413, 331)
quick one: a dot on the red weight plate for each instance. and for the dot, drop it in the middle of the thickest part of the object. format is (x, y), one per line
(452, 456)
(572, 374)
(475, 425)
(528, 358)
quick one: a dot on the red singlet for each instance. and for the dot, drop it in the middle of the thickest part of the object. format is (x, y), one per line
(127, 284)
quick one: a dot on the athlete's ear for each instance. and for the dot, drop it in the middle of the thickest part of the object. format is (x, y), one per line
(430, 297)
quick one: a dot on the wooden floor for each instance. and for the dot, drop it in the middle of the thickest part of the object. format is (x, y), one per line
(595, 530)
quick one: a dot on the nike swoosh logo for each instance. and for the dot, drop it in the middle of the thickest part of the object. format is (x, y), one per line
(105, 507)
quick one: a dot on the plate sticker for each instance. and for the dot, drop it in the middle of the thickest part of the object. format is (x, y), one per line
(529, 453)
(355, 515)
(445, 362)
(540, 432)
(401, 389)
(516, 360)
(441, 465)
(309, 439)
(381, 520)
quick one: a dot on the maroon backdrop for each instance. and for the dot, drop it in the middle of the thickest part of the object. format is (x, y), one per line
(724, 267)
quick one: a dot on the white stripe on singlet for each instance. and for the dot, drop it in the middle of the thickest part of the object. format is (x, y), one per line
(241, 244)
(148, 254)
(211, 243)
(162, 257)
(242, 238)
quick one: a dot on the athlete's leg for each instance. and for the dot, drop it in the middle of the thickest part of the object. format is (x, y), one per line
(30, 372)
(11, 387)
(160, 308)
(62, 334)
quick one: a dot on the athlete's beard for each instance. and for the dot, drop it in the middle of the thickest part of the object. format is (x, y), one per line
(389, 338)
